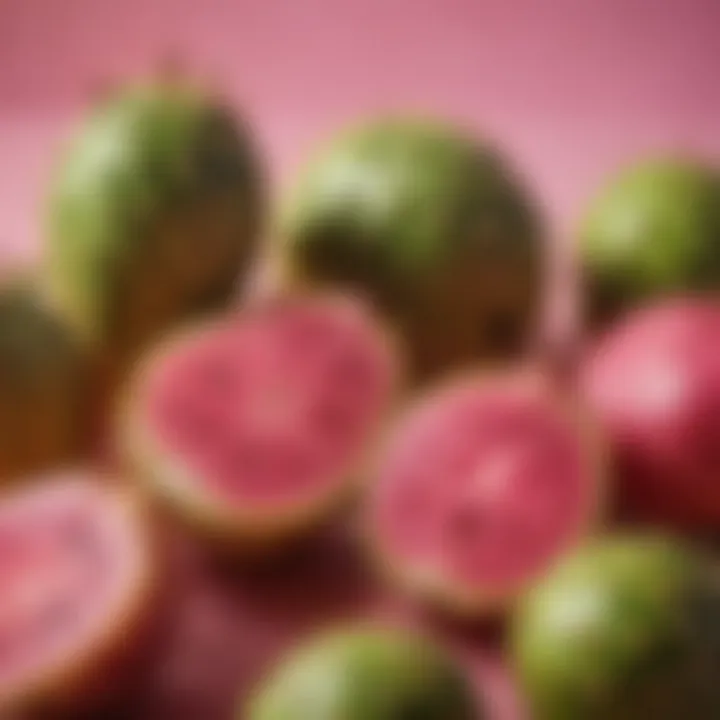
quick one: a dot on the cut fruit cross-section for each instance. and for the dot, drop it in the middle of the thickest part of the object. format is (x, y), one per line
(253, 427)
(481, 488)
(76, 572)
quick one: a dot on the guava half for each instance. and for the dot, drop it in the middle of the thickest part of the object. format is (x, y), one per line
(78, 579)
(481, 488)
(254, 427)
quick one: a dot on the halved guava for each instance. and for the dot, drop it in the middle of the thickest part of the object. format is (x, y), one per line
(76, 579)
(254, 426)
(483, 485)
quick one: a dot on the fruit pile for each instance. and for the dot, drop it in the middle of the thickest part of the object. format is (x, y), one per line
(391, 382)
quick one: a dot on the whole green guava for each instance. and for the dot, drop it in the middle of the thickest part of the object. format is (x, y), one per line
(154, 214)
(626, 629)
(433, 226)
(360, 674)
(652, 230)
(44, 402)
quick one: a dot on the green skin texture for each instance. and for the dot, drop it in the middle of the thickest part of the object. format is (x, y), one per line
(361, 674)
(654, 229)
(627, 629)
(41, 370)
(157, 202)
(432, 225)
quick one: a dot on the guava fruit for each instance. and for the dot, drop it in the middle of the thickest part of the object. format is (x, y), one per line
(43, 403)
(153, 214)
(359, 673)
(77, 576)
(628, 628)
(652, 230)
(481, 487)
(431, 224)
(253, 428)
(653, 381)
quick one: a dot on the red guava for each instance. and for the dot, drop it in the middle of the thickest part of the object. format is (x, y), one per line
(481, 488)
(253, 428)
(654, 382)
(77, 576)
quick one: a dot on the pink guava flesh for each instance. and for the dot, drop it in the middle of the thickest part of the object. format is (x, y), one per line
(654, 382)
(275, 406)
(69, 557)
(481, 487)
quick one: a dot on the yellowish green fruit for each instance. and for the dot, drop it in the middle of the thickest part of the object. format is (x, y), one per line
(360, 674)
(154, 214)
(434, 226)
(628, 629)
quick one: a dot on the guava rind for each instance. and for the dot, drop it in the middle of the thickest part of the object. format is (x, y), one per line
(153, 214)
(629, 627)
(365, 673)
(433, 226)
(652, 230)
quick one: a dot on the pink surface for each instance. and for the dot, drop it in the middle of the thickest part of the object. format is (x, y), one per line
(571, 87)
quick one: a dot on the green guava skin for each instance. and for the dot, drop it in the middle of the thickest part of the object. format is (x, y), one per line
(359, 674)
(626, 629)
(433, 226)
(652, 230)
(42, 368)
(154, 214)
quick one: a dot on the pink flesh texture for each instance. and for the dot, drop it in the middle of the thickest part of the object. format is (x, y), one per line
(275, 407)
(67, 560)
(482, 488)
(655, 382)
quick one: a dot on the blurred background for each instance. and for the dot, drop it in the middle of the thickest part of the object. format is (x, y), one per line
(572, 87)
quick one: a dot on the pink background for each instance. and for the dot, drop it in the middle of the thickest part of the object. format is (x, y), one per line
(571, 87)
